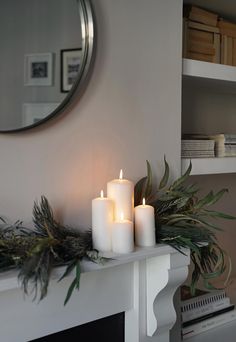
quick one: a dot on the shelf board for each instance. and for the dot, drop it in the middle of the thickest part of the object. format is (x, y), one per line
(225, 332)
(209, 74)
(207, 166)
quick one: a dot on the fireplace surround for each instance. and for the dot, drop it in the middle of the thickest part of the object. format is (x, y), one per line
(140, 284)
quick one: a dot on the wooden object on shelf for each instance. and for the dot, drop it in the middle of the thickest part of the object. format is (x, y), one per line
(200, 15)
(234, 51)
(227, 50)
(201, 42)
(227, 28)
(203, 27)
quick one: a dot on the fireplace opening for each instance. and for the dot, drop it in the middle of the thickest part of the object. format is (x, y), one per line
(105, 329)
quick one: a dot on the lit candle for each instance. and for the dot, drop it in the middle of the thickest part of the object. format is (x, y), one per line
(122, 192)
(122, 235)
(144, 225)
(102, 218)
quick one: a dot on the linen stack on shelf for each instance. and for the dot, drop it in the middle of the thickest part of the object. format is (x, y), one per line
(207, 146)
(192, 147)
(204, 311)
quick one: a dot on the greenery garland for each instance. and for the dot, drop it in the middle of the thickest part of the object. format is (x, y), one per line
(182, 221)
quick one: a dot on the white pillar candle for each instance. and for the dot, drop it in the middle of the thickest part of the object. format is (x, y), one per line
(122, 236)
(102, 218)
(121, 191)
(144, 225)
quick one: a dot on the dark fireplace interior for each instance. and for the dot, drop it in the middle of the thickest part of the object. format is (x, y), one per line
(106, 330)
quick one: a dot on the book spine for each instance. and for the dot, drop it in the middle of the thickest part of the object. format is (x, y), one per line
(205, 309)
(202, 300)
(208, 324)
(208, 315)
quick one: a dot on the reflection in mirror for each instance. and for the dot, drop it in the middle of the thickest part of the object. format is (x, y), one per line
(43, 59)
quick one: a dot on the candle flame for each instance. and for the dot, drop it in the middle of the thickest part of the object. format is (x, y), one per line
(102, 194)
(144, 202)
(122, 216)
(121, 174)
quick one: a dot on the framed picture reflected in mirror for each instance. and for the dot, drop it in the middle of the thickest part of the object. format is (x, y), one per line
(70, 66)
(38, 69)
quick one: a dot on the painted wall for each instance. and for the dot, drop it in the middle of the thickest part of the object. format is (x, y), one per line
(129, 112)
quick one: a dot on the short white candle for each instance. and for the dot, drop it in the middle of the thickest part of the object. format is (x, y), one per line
(122, 236)
(121, 191)
(144, 225)
(102, 218)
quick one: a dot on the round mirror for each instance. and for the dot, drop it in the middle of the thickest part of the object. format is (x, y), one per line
(46, 51)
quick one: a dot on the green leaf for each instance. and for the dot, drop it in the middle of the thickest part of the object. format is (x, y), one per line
(165, 177)
(217, 196)
(182, 179)
(219, 214)
(204, 201)
(139, 190)
(78, 273)
(148, 189)
(68, 270)
(70, 291)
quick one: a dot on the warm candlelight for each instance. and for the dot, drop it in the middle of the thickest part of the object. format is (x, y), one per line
(121, 191)
(144, 225)
(122, 235)
(102, 218)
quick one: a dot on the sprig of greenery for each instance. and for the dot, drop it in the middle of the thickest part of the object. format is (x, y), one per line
(183, 220)
(36, 252)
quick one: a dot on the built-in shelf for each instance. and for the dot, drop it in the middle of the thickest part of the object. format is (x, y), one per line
(209, 74)
(206, 166)
(225, 332)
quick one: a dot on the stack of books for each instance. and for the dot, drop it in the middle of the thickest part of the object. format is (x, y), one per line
(202, 145)
(197, 148)
(204, 311)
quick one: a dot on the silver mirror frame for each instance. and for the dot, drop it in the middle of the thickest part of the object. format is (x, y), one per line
(88, 46)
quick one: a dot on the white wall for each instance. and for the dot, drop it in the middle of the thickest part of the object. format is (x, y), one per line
(130, 112)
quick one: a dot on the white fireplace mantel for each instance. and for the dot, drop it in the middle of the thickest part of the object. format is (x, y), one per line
(141, 284)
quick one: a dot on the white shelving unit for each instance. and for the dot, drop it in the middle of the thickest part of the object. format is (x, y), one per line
(206, 166)
(209, 71)
(213, 75)
(199, 78)
(225, 332)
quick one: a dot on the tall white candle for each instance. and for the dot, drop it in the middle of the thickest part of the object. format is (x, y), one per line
(102, 218)
(122, 236)
(121, 191)
(144, 225)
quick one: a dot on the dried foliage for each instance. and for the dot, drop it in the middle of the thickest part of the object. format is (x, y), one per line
(183, 220)
(36, 252)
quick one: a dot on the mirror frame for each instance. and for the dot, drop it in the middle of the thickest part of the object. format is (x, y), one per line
(87, 19)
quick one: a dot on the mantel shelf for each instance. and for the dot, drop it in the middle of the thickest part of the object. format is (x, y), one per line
(141, 284)
(209, 74)
(9, 279)
(206, 166)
